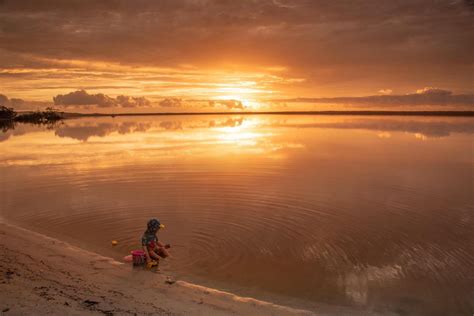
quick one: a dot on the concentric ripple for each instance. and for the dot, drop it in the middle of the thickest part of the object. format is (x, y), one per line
(332, 215)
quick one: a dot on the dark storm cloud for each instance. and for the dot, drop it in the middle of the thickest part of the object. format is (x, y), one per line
(82, 98)
(427, 96)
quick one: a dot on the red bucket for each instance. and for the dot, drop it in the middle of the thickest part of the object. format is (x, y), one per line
(138, 257)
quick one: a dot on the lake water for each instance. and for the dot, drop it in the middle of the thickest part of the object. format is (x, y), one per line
(372, 213)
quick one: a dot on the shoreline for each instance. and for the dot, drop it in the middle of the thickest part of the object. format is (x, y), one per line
(40, 273)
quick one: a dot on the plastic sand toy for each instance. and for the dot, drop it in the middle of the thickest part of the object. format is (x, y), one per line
(152, 264)
(138, 257)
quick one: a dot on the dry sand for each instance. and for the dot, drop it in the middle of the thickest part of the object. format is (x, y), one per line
(41, 275)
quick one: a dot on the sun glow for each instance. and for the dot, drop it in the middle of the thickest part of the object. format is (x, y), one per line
(245, 94)
(243, 134)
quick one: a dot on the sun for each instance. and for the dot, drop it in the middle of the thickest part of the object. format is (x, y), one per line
(247, 99)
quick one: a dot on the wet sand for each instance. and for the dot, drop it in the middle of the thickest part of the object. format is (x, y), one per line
(42, 275)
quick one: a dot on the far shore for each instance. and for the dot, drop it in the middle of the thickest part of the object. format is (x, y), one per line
(361, 113)
(51, 116)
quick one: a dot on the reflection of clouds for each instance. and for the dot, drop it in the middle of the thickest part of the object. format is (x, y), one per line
(86, 130)
(357, 277)
(4, 136)
(9, 130)
(233, 135)
(82, 130)
(172, 125)
(230, 122)
(421, 127)
(440, 261)
(6, 126)
(356, 283)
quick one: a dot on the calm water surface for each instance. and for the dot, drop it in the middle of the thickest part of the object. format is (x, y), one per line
(373, 213)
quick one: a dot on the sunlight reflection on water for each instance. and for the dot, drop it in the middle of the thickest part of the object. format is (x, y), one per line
(362, 211)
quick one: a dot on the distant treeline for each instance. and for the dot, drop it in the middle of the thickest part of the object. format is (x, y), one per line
(47, 116)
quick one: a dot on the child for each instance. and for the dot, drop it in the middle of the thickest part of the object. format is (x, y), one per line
(152, 247)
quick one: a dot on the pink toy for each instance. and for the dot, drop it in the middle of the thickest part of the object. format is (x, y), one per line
(138, 257)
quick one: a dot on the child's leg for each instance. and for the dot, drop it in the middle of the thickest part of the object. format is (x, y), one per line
(162, 252)
(153, 255)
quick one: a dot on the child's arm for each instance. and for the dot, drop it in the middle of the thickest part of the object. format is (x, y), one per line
(160, 244)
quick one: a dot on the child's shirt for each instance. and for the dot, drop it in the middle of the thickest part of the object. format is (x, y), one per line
(149, 239)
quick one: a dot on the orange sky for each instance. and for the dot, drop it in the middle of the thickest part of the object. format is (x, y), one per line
(203, 55)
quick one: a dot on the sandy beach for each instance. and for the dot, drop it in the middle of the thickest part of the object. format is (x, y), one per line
(42, 275)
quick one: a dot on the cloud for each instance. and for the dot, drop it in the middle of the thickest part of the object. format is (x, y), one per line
(385, 91)
(171, 102)
(82, 98)
(132, 102)
(4, 100)
(425, 96)
(15, 103)
(433, 91)
(469, 3)
(328, 43)
(230, 104)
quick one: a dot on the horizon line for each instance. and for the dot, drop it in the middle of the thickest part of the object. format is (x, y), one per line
(374, 112)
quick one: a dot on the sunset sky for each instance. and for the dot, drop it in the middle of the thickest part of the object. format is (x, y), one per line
(228, 55)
